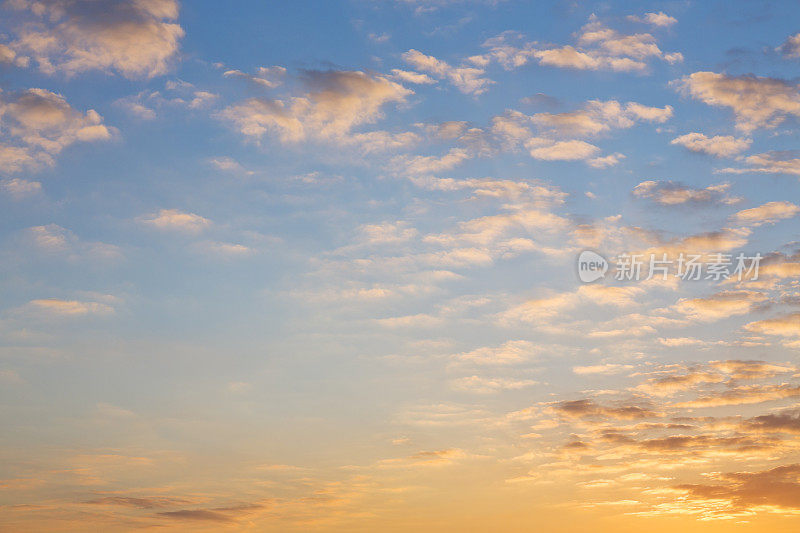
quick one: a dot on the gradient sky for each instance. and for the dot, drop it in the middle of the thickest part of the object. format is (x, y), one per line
(311, 266)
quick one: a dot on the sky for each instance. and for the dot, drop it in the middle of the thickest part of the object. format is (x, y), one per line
(315, 266)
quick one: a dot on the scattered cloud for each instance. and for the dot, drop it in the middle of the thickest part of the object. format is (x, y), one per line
(673, 193)
(468, 80)
(756, 102)
(791, 46)
(775, 162)
(38, 125)
(485, 385)
(660, 19)
(597, 48)
(768, 213)
(785, 326)
(408, 76)
(173, 219)
(19, 188)
(336, 103)
(138, 39)
(719, 145)
(67, 308)
(265, 77)
(720, 305)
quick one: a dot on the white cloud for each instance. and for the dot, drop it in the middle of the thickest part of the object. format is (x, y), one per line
(563, 150)
(224, 250)
(484, 385)
(265, 77)
(719, 145)
(19, 188)
(40, 124)
(768, 213)
(68, 308)
(10, 57)
(510, 352)
(606, 161)
(672, 193)
(720, 305)
(597, 48)
(412, 77)
(785, 326)
(172, 219)
(468, 80)
(769, 163)
(791, 47)
(756, 102)
(337, 102)
(660, 19)
(598, 117)
(54, 239)
(137, 38)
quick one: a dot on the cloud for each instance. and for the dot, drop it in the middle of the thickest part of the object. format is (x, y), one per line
(606, 161)
(228, 164)
(708, 243)
(10, 57)
(336, 103)
(412, 77)
(468, 80)
(775, 162)
(176, 93)
(223, 250)
(785, 326)
(603, 369)
(431, 457)
(138, 502)
(719, 146)
(265, 77)
(674, 193)
(562, 150)
(587, 408)
(19, 188)
(672, 382)
(791, 46)
(596, 117)
(768, 213)
(599, 117)
(720, 305)
(507, 353)
(137, 38)
(738, 369)
(778, 487)
(41, 124)
(484, 385)
(428, 165)
(747, 394)
(541, 310)
(597, 48)
(54, 239)
(196, 515)
(780, 266)
(756, 102)
(784, 422)
(56, 307)
(172, 219)
(660, 19)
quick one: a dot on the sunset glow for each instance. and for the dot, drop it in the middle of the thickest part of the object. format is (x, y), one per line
(399, 266)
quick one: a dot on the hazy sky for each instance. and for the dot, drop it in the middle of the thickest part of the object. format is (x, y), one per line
(312, 266)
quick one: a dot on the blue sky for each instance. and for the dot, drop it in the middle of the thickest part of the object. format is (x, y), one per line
(312, 265)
